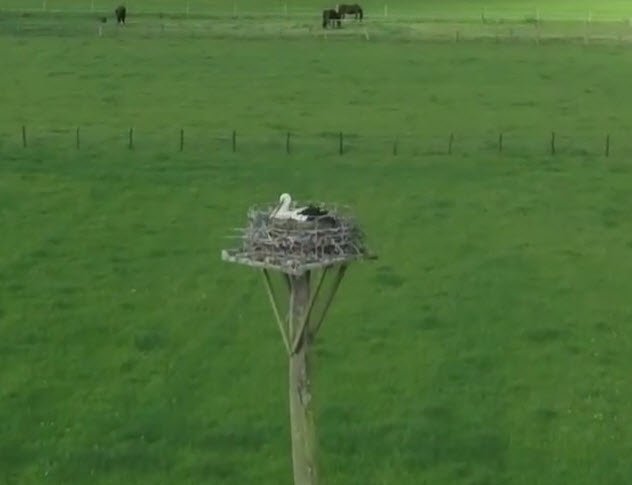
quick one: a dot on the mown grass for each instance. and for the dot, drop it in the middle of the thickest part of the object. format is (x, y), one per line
(489, 344)
(309, 87)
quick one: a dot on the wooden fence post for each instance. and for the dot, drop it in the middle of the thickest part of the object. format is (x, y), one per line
(341, 144)
(234, 141)
(131, 139)
(552, 143)
(24, 136)
(608, 145)
(287, 140)
(450, 142)
(181, 139)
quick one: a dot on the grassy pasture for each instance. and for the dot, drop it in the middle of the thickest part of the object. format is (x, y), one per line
(488, 345)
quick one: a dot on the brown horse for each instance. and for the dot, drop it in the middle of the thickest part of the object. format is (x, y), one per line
(353, 9)
(121, 13)
(331, 17)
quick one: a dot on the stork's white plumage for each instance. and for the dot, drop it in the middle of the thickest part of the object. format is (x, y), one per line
(302, 214)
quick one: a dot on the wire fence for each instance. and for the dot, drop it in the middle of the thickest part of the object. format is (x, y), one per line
(375, 9)
(196, 140)
(305, 23)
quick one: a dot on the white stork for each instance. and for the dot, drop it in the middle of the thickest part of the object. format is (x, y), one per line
(301, 214)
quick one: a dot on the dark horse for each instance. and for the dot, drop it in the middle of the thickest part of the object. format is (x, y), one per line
(121, 13)
(331, 16)
(354, 9)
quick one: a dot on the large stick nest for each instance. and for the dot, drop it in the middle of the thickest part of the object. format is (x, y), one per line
(334, 237)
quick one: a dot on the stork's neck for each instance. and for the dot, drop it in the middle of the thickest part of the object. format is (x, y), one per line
(285, 205)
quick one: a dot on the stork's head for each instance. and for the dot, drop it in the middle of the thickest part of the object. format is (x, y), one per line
(285, 200)
(283, 205)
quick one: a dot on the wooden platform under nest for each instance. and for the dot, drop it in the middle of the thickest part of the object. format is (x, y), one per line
(289, 266)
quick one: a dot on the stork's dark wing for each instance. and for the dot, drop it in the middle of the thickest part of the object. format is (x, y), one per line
(312, 210)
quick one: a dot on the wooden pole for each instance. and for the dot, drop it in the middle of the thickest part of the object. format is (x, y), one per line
(301, 414)
(24, 136)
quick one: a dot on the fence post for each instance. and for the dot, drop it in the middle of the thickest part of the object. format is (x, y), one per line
(287, 143)
(608, 145)
(341, 144)
(552, 143)
(234, 141)
(500, 143)
(131, 139)
(450, 142)
(78, 142)
(181, 139)
(24, 136)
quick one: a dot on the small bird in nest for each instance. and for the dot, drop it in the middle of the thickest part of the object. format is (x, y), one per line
(307, 213)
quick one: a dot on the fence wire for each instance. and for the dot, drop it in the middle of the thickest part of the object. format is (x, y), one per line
(150, 21)
(199, 140)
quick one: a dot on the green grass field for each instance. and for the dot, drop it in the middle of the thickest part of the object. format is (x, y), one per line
(487, 345)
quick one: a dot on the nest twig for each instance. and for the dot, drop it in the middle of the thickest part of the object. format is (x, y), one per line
(334, 237)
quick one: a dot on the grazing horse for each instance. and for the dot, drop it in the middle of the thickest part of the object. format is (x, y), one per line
(121, 13)
(354, 9)
(331, 16)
